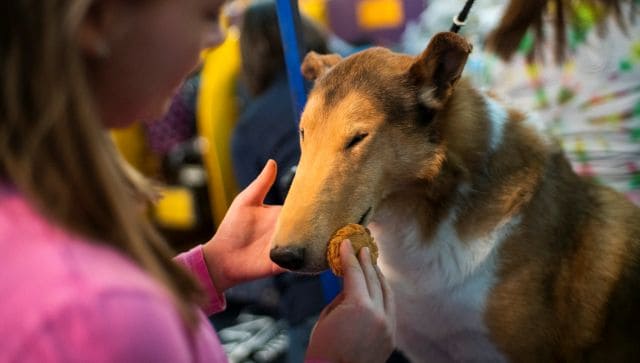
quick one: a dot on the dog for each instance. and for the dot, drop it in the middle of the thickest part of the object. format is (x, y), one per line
(494, 248)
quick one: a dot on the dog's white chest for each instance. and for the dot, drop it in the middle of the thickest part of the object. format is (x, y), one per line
(445, 326)
(440, 287)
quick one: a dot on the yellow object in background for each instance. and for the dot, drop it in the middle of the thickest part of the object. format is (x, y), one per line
(132, 145)
(315, 9)
(377, 14)
(175, 209)
(216, 115)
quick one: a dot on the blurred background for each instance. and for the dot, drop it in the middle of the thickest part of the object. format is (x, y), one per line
(579, 78)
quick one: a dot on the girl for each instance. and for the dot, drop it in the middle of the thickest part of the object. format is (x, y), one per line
(85, 277)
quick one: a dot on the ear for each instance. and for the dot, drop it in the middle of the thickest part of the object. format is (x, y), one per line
(315, 65)
(439, 67)
(96, 29)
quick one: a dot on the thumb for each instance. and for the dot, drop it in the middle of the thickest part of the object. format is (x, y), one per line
(258, 189)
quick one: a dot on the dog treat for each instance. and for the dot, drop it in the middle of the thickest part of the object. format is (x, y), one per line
(359, 237)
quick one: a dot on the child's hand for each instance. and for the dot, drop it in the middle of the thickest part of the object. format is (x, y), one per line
(239, 251)
(359, 325)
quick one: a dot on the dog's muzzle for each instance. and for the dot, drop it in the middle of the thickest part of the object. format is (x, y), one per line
(291, 258)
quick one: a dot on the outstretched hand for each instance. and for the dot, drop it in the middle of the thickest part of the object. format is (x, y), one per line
(239, 251)
(359, 324)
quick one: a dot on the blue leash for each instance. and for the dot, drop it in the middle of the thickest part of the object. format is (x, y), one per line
(290, 33)
(290, 30)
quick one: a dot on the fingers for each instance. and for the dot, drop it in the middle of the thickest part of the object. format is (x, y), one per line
(372, 279)
(354, 280)
(258, 189)
(389, 303)
(360, 276)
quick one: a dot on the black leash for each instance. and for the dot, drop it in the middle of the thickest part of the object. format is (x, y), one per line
(459, 21)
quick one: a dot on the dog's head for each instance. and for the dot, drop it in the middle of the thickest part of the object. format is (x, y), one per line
(367, 131)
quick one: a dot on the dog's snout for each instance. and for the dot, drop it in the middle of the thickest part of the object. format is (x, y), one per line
(291, 258)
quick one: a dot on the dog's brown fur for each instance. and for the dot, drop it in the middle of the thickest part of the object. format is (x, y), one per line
(567, 270)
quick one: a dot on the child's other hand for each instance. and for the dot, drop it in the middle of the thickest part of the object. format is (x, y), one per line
(359, 325)
(239, 251)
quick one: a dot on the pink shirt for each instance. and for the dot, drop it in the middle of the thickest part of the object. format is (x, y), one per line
(64, 299)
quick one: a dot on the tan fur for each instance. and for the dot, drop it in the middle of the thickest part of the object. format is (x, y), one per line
(316, 64)
(567, 282)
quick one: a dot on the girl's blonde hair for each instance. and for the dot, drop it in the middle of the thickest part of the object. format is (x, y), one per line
(53, 147)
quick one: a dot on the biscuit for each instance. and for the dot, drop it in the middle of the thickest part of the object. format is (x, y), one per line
(359, 237)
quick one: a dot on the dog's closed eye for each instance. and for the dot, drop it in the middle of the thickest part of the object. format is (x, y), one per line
(355, 140)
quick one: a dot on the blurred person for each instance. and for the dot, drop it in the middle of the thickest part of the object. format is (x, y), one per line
(178, 125)
(267, 129)
(85, 276)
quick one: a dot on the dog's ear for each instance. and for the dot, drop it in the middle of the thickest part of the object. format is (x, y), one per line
(315, 65)
(439, 67)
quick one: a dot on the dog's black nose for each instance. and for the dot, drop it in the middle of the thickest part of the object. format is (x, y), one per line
(291, 258)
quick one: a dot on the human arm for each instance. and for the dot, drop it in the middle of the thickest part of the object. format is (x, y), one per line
(193, 260)
(239, 251)
(365, 297)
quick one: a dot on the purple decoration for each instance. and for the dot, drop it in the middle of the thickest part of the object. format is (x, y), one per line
(174, 128)
(343, 21)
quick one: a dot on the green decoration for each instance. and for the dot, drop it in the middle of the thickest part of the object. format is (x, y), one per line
(565, 95)
(636, 110)
(526, 44)
(626, 65)
(635, 180)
